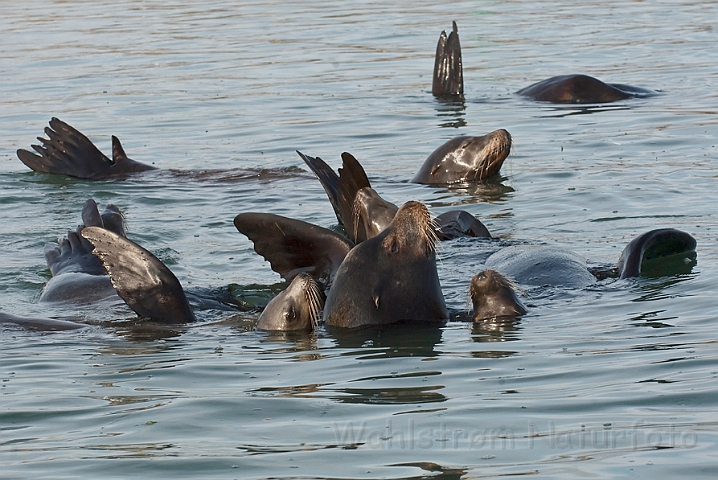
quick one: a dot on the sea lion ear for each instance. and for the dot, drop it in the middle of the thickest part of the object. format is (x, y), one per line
(141, 279)
(656, 248)
(118, 153)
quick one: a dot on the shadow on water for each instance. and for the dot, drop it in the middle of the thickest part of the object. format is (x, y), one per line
(451, 112)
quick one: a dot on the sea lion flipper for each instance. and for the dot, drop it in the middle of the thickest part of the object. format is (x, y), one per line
(66, 151)
(448, 77)
(654, 245)
(327, 177)
(292, 246)
(459, 223)
(141, 279)
(91, 215)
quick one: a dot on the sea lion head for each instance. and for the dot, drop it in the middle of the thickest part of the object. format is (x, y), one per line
(493, 296)
(297, 308)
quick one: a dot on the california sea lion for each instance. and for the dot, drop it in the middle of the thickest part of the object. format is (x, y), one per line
(465, 159)
(493, 296)
(296, 308)
(391, 277)
(579, 89)
(364, 214)
(651, 252)
(666, 251)
(66, 151)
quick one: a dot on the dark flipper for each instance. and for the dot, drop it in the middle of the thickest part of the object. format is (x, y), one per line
(66, 151)
(459, 223)
(448, 70)
(655, 249)
(292, 246)
(140, 278)
(327, 177)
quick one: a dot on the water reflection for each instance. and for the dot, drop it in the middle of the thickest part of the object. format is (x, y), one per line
(651, 289)
(434, 471)
(653, 319)
(398, 340)
(451, 112)
(142, 331)
(384, 396)
(491, 190)
(567, 111)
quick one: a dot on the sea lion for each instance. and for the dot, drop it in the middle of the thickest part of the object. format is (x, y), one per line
(493, 296)
(661, 251)
(364, 213)
(465, 159)
(664, 251)
(566, 89)
(580, 89)
(296, 308)
(66, 151)
(391, 277)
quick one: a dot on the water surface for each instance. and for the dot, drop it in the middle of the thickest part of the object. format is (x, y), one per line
(616, 380)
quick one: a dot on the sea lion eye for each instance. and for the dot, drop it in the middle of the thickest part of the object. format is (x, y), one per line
(290, 314)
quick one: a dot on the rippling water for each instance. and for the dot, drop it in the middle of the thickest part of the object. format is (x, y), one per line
(617, 380)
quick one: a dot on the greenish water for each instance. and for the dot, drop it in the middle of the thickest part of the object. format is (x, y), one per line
(616, 380)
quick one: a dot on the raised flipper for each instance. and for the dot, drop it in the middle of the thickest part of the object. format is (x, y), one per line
(448, 71)
(140, 278)
(292, 246)
(664, 251)
(327, 177)
(66, 151)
